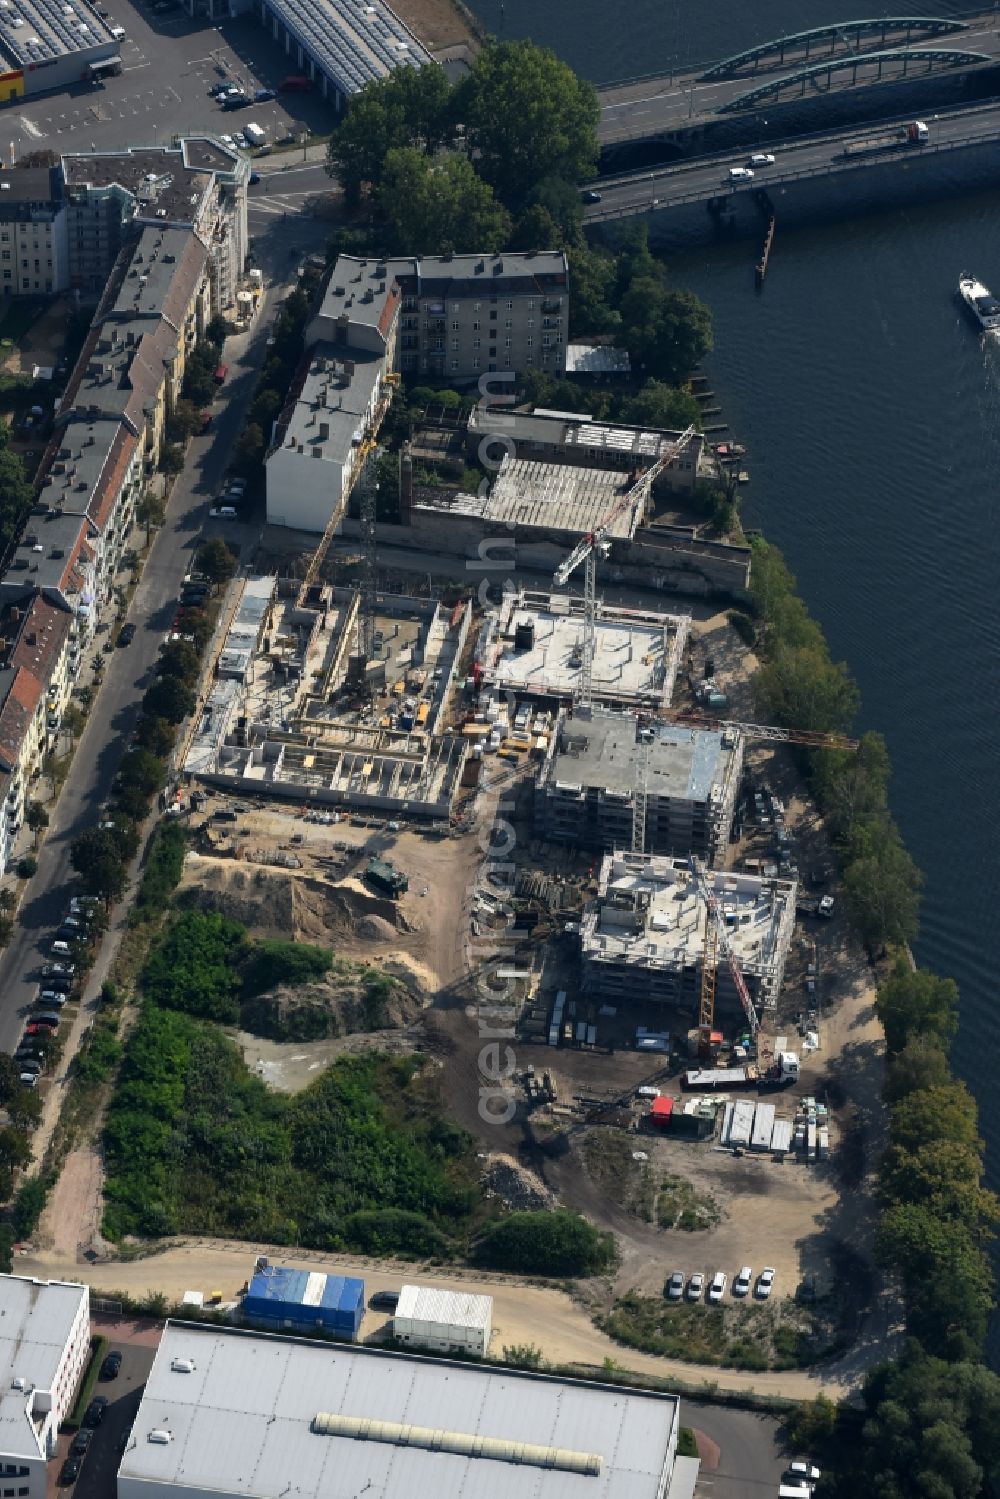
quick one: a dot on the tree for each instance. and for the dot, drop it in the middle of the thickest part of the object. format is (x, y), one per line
(883, 885)
(178, 658)
(171, 458)
(944, 1112)
(39, 159)
(217, 330)
(408, 108)
(916, 1004)
(947, 1277)
(527, 117)
(922, 1063)
(132, 802)
(545, 1243)
(800, 687)
(74, 720)
(660, 405)
(150, 511)
(10, 1077)
(266, 406)
(96, 857)
(168, 698)
(215, 560)
(665, 332)
(535, 229)
(37, 819)
(199, 373)
(184, 421)
(852, 786)
(436, 206)
(249, 450)
(15, 1149)
(15, 491)
(24, 1108)
(143, 771)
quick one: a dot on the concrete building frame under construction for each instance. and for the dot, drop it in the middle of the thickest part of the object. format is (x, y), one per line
(533, 645)
(586, 788)
(643, 938)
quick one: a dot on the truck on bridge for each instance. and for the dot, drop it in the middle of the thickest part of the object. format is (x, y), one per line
(913, 134)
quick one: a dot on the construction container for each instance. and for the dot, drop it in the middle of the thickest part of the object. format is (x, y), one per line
(727, 1123)
(763, 1127)
(446, 1321)
(304, 1301)
(823, 1142)
(742, 1125)
(661, 1112)
(781, 1137)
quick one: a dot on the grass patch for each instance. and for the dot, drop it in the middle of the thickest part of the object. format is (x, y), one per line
(737, 1335)
(607, 1156)
(680, 1205)
(98, 1348)
(686, 1444)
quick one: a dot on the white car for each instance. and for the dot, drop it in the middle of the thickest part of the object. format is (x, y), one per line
(743, 1282)
(801, 1469)
(227, 140)
(740, 174)
(761, 159)
(717, 1289)
(696, 1286)
(765, 1282)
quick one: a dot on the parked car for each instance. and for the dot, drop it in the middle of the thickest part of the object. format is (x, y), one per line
(717, 1289)
(765, 1282)
(70, 1471)
(674, 1288)
(743, 1282)
(384, 1301)
(81, 1442)
(242, 144)
(825, 907)
(111, 1365)
(28, 1080)
(64, 970)
(126, 634)
(47, 1019)
(222, 512)
(803, 1470)
(51, 997)
(29, 1066)
(696, 1286)
(94, 1414)
(263, 94)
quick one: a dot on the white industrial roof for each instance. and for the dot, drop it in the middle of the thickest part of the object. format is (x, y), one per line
(454, 1308)
(241, 1422)
(36, 1319)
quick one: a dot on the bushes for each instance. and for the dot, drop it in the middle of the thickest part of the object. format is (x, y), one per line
(164, 867)
(393, 1231)
(547, 1243)
(192, 968)
(274, 963)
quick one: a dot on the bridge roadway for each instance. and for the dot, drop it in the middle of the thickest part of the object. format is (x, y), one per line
(813, 156)
(672, 104)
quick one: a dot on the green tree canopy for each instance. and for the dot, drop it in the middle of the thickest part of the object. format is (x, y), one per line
(178, 658)
(800, 687)
(921, 1063)
(96, 857)
(527, 117)
(545, 1243)
(408, 108)
(912, 1003)
(439, 205)
(660, 405)
(143, 772)
(215, 560)
(882, 884)
(170, 698)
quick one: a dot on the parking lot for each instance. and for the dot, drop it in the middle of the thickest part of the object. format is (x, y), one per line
(137, 1343)
(169, 64)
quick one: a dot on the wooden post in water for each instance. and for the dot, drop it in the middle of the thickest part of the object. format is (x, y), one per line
(761, 268)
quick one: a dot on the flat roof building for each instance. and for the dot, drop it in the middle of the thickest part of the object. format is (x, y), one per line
(444, 1321)
(533, 645)
(44, 1347)
(226, 1412)
(597, 763)
(284, 1298)
(49, 44)
(643, 937)
(566, 437)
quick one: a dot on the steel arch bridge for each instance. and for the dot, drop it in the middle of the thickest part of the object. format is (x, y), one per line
(914, 27)
(932, 57)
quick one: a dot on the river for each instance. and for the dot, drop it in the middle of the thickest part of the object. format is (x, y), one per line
(871, 410)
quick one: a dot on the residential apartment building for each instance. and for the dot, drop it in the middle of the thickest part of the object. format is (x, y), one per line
(45, 1346)
(34, 248)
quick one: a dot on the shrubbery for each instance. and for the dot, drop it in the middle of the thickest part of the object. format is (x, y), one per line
(274, 963)
(193, 966)
(546, 1243)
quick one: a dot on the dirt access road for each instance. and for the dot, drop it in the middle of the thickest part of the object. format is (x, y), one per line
(522, 1314)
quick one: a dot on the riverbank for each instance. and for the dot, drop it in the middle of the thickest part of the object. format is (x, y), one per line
(447, 28)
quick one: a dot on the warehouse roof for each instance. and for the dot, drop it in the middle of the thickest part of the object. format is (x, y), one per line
(36, 1320)
(35, 31)
(240, 1417)
(453, 1308)
(353, 43)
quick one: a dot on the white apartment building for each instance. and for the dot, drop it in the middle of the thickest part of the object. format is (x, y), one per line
(44, 1347)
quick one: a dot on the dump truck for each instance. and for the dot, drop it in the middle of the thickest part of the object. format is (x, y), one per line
(914, 133)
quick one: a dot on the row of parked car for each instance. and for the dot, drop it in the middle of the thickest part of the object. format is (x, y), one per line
(58, 980)
(230, 499)
(92, 1418)
(680, 1288)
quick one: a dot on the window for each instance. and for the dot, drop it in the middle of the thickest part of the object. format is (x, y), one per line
(476, 342)
(529, 340)
(454, 364)
(454, 343)
(493, 313)
(506, 361)
(5, 254)
(507, 343)
(24, 265)
(475, 327)
(475, 363)
(508, 322)
(531, 304)
(531, 322)
(456, 307)
(455, 325)
(477, 306)
(510, 305)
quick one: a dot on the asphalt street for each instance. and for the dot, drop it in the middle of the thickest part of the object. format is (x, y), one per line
(169, 64)
(748, 1459)
(129, 671)
(810, 156)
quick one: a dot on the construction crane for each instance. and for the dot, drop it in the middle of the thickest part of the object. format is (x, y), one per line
(368, 591)
(596, 543)
(332, 526)
(716, 942)
(768, 732)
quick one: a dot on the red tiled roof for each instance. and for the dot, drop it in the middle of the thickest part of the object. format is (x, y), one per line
(23, 696)
(42, 639)
(108, 487)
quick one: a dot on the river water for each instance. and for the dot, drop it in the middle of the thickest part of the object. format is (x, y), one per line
(870, 406)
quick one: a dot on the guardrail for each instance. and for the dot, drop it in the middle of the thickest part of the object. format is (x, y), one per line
(834, 166)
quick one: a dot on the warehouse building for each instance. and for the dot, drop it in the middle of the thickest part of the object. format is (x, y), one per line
(443, 1321)
(228, 1412)
(288, 1300)
(44, 1348)
(533, 646)
(642, 939)
(52, 44)
(598, 761)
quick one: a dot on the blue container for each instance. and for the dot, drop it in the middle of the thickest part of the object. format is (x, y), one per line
(305, 1301)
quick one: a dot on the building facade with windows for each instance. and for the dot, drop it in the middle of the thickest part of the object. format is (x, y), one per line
(34, 247)
(44, 1347)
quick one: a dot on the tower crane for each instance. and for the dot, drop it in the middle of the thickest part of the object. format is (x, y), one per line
(596, 543)
(716, 941)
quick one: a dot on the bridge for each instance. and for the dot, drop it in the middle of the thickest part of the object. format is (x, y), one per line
(704, 182)
(840, 61)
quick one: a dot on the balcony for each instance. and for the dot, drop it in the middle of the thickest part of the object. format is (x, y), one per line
(552, 304)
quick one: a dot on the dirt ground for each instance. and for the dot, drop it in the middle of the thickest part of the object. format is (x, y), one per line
(44, 341)
(442, 25)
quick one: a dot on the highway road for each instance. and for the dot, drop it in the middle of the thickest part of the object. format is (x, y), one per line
(816, 155)
(129, 671)
(648, 107)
